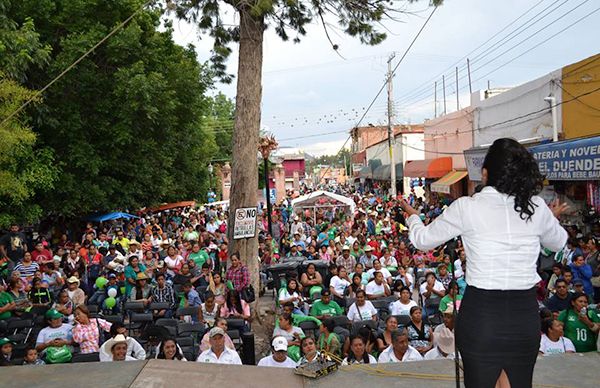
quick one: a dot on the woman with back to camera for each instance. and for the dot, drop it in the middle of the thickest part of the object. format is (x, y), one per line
(502, 228)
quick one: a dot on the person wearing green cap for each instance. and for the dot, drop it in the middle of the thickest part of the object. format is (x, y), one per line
(6, 349)
(56, 333)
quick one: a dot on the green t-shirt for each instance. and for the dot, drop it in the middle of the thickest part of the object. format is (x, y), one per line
(578, 332)
(446, 300)
(5, 298)
(319, 309)
(199, 258)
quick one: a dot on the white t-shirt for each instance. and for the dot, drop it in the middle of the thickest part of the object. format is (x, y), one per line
(375, 289)
(388, 355)
(173, 263)
(362, 313)
(434, 354)
(338, 284)
(230, 357)
(548, 348)
(285, 295)
(386, 274)
(410, 278)
(372, 360)
(398, 308)
(269, 361)
(438, 286)
(64, 332)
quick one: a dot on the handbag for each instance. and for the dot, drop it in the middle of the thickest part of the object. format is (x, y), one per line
(248, 294)
(58, 355)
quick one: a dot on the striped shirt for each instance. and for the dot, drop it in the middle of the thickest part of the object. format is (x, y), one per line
(164, 295)
(27, 271)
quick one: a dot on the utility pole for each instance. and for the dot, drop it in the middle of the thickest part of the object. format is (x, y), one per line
(457, 101)
(390, 130)
(434, 100)
(444, 91)
(469, 72)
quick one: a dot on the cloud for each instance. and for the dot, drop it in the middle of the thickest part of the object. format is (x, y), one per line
(324, 148)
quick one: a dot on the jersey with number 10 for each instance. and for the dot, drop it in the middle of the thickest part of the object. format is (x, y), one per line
(578, 332)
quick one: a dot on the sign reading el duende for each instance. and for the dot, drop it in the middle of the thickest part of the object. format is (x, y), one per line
(571, 160)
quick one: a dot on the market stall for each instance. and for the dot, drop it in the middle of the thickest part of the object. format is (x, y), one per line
(323, 200)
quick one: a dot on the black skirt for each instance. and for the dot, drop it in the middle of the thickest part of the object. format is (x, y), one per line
(495, 331)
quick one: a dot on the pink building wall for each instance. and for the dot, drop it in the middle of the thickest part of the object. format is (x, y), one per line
(450, 133)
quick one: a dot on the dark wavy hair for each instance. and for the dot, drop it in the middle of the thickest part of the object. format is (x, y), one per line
(512, 170)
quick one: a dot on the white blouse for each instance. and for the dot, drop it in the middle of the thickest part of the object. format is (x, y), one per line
(501, 248)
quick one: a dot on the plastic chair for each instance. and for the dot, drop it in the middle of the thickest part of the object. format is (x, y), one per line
(356, 326)
(183, 311)
(190, 329)
(309, 327)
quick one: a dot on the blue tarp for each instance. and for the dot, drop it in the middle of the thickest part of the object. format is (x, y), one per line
(111, 216)
(570, 160)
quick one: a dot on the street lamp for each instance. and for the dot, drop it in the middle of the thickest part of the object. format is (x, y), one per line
(266, 145)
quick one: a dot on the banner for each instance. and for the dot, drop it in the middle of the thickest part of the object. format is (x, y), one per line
(569, 160)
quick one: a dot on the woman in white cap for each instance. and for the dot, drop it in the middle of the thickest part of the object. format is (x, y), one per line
(279, 357)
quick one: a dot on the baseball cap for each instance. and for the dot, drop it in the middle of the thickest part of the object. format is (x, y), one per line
(578, 282)
(216, 331)
(280, 344)
(53, 314)
(112, 276)
(4, 341)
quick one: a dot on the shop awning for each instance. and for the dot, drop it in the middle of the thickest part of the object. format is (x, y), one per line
(428, 168)
(366, 172)
(443, 184)
(384, 173)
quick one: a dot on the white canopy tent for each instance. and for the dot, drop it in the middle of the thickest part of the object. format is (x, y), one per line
(323, 199)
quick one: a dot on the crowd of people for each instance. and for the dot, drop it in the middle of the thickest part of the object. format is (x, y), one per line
(367, 295)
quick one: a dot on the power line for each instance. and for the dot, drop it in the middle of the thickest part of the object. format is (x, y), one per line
(70, 67)
(391, 75)
(460, 61)
(531, 48)
(481, 57)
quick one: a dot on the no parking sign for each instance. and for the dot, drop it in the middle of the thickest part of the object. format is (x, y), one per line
(244, 225)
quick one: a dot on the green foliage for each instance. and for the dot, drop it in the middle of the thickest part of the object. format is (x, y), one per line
(25, 170)
(358, 18)
(125, 125)
(220, 119)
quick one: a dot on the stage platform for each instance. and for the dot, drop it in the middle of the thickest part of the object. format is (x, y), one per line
(576, 370)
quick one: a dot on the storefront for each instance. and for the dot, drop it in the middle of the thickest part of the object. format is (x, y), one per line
(572, 171)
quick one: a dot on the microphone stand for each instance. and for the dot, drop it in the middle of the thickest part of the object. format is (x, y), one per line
(455, 313)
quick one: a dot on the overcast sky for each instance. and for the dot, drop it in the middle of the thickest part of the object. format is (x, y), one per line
(309, 91)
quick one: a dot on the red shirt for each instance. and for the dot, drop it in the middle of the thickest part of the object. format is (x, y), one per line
(41, 257)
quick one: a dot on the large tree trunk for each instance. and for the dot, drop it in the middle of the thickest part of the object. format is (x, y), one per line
(244, 168)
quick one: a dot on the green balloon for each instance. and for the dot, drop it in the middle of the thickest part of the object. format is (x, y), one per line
(110, 302)
(101, 282)
(123, 290)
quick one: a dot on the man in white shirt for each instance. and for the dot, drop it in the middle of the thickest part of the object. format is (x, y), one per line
(432, 290)
(399, 350)
(218, 353)
(378, 288)
(444, 348)
(279, 358)
(377, 267)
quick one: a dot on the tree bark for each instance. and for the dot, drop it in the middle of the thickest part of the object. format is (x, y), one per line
(244, 168)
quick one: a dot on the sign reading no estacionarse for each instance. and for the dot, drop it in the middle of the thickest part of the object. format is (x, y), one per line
(244, 225)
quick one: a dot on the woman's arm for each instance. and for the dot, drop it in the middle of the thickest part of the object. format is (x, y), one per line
(445, 227)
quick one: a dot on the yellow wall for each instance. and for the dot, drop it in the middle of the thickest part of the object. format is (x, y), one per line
(581, 117)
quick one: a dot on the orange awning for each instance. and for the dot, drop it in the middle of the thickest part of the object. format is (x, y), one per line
(174, 205)
(428, 168)
(443, 184)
